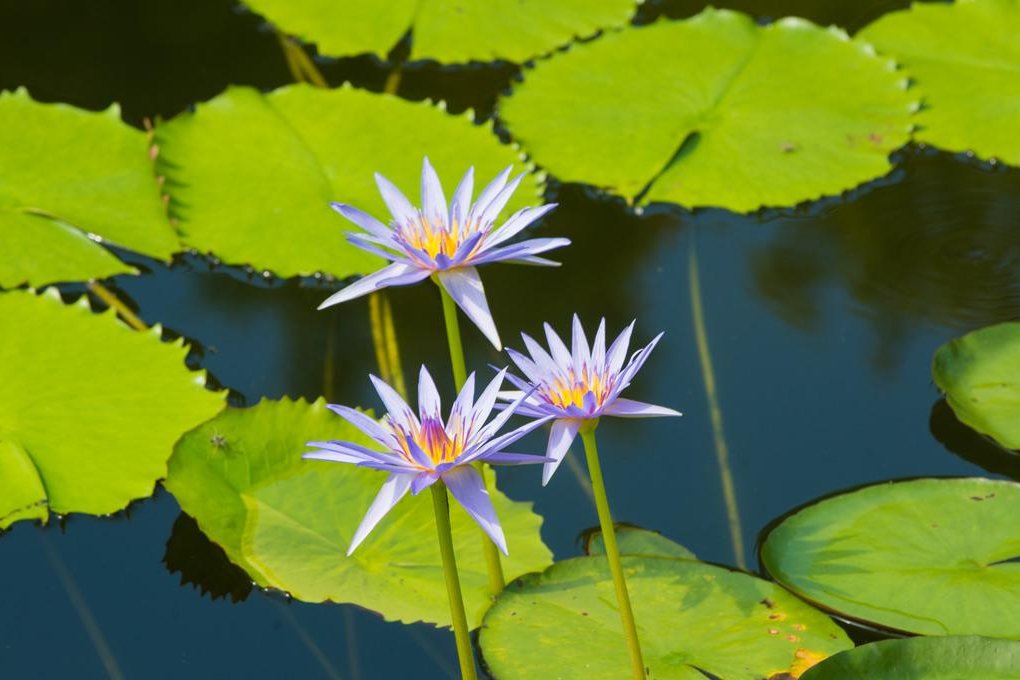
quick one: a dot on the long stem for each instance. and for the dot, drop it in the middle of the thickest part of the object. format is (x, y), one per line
(493, 563)
(722, 451)
(111, 300)
(637, 664)
(461, 633)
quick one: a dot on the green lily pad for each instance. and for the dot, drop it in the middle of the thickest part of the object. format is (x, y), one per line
(70, 173)
(288, 521)
(980, 374)
(714, 111)
(925, 658)
(929, 556)
(251, 176)
(461, 31)
(965, 57)
(632, 540)
(89, 409)
(564, 623)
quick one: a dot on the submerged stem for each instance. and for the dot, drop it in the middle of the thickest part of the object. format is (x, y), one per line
(461, 632)
(493, 563)
(637, 664)
(111, 300)
(722, 451)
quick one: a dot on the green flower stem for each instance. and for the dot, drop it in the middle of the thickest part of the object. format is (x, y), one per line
(492, 560)
(637, 664)
(461, 632)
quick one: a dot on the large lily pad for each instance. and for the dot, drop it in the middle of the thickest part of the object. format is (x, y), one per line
(925, 658)
(89, 409)
(929, 556)
(289, 521)
(965, 57)
(445, 30)
(564, 623)
(714, 111)
(251, 176)
(69, 173)
(980, 374)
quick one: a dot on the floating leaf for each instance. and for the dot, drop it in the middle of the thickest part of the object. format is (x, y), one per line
(965, 58)
(251, 176)
(925, 658)
(89, 409)
(714, 111)
(929, 556)
(462, 31)
(289, 521)
(632, 540)
(980, 374)
(564, 623)
(69, 173)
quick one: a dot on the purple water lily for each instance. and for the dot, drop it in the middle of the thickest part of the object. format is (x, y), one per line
(577, 385)
(446, 242)
(419, 450)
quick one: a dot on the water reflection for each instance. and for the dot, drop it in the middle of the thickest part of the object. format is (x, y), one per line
(938, 245)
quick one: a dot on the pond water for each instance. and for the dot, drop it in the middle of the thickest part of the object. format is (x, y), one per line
(821, 324)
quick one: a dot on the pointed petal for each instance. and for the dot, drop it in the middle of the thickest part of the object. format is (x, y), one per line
(359, 241)
(490, 191)
(396, 274)
(504, 458)
(397, 203)
(517, 222)
(461, 202)
(433, 201)
(363, 220)
(468, 488)
(501, 442)
(560, 438)
(351, 450)
(463, 404)
(399, 411)
(465, 287)
(545, 363)
(363, 422)
(617, 352)
(486, 400)
(518, 250)
(429, 404)
(533, 261)
(395, 488)
(499, 201)
(528, 367)
(628, 408)
(598, 347)
(579, 346)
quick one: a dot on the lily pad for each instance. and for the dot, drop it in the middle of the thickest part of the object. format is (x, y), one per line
(925, 658)
(447, 31)
(928, 556)
(632, 540)
(965, 58)
(714, 111)
(288, 521)
(251, 176)
(69, 174)
(89, 409)
(691, 617)
(980, 374)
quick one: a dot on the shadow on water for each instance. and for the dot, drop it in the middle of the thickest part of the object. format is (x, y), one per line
(971, 445)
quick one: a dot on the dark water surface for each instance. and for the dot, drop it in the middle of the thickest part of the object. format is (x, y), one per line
(822, 322)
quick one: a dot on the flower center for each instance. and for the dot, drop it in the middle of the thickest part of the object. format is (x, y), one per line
(436, 238)
(570, 389)
(433, 439)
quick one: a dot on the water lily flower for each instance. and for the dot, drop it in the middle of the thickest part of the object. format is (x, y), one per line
(419, 450)
(444, 241)
(578, 385)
